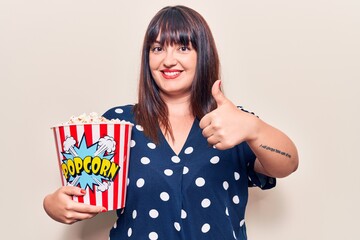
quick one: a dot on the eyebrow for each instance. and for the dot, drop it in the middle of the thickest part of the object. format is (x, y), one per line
(159, 42)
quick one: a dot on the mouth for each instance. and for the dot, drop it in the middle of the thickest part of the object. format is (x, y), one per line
(170, 74)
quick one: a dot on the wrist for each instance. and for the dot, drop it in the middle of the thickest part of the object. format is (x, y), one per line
(254, 129)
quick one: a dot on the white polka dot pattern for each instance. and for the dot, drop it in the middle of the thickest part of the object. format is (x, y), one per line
(168, 172)
(205, 228)
(119, 110)
(215, 160)
(139, 128)
(205, 203)
(225, 185)
(153, 213)
(175, 159)
(164, 196)
(177, 226)
(140, 182)
(242, 222)
(183, 214)
(200, 182)
(151, 145)
(145, 160)
(236, 199)
(153, 236)
(189, 193)
(188, 150)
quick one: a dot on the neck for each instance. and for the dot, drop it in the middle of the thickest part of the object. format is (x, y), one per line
(178, 107)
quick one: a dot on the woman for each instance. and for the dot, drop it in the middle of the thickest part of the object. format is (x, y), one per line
(194, 153)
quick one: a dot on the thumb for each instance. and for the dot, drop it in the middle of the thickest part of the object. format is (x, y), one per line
(217, 93)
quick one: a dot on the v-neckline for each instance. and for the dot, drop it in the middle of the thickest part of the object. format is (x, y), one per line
(186, 140)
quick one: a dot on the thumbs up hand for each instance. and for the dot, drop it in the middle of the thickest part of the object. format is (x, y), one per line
(227, 126)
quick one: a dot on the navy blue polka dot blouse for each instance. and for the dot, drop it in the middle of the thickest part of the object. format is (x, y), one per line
(201, 193)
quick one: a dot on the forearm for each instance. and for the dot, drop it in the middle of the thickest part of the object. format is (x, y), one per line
(276, 153)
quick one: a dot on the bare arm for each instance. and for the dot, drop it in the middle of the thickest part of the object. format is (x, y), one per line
(276, 154)
(227, 126)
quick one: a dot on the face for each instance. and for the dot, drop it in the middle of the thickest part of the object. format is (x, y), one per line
(173, 68)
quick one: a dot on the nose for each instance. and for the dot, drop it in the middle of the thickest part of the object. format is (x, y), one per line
(170, 58)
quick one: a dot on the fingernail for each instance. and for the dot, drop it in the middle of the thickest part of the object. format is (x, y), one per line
(83, 191)
(104, 210)
(220, 83)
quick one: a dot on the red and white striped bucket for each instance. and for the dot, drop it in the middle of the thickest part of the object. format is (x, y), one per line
(95, 157)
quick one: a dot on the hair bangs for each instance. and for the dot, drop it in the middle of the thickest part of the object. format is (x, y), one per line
(171, 28)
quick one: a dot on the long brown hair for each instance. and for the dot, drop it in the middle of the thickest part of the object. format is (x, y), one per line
(177, 25)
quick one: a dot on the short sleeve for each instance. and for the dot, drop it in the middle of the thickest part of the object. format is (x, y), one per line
(121, 113)
(256, 179)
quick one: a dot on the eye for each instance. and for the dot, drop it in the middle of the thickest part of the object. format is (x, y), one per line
(184, 48)
(156, 49)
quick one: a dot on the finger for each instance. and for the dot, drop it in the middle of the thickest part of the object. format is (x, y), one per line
(73, 191)
(83, 216)
(81, 207)
(205, 121)
(217, 93)
(208, 131)
(73, 217)
(87, 209)
(213, 140)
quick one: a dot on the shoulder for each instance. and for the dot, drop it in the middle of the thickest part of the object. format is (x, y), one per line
(124, 112)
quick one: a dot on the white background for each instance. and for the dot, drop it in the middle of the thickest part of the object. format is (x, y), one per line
(295, 63)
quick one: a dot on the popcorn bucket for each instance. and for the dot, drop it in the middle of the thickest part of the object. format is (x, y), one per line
(95, 157)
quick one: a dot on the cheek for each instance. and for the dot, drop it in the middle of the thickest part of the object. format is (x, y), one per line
(191, 62)
(151, 64)
(154, 62)
(153, 69)
(194, 60)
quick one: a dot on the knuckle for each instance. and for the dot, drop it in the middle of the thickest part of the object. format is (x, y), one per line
(203, 133)
(68, 206)
(221, 135)
(211, 141)
(216, 124)
(68, 217)
(217, 127)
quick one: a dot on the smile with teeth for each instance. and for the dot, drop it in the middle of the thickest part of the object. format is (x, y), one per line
(170, 74)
